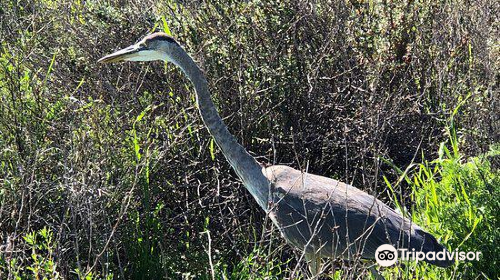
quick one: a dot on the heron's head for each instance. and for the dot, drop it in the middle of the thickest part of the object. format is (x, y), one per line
(156, 46)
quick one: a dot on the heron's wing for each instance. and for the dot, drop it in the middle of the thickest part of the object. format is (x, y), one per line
(338, 219)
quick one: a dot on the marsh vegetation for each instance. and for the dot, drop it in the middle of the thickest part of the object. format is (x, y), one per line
(107, 172)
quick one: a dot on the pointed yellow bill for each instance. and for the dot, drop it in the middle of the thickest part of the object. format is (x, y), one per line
(128, 54)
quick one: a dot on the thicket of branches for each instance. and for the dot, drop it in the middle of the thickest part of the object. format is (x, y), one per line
(116, 165)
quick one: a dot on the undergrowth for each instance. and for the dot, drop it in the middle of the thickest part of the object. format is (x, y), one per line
(107, 172)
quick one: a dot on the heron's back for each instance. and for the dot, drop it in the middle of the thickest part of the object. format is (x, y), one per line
(334, 219)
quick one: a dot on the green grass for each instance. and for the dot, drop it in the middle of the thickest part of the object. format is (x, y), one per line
(454, 197)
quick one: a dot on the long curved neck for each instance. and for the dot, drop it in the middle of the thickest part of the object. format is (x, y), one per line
(247, 168)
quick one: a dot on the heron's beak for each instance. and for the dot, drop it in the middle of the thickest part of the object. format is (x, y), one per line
(122, 55)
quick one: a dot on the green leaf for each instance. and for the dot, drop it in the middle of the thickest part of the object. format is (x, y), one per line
(212, 149)
(165, 26)
(141, 115)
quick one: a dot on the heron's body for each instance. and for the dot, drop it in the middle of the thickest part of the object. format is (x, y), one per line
(329, 218)
(318, 215)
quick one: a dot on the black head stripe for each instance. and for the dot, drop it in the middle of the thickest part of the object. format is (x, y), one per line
(161, 37)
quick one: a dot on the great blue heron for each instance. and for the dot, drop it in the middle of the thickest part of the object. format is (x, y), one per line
(320, 216)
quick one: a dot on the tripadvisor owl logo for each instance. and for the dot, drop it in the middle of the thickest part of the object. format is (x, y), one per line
(387, 255)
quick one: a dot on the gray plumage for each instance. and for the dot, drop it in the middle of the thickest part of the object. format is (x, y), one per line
(318, 215)
(329, 218)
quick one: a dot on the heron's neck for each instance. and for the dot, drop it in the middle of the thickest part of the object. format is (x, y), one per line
(247, 168)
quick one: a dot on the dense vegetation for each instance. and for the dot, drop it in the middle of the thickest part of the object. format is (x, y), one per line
(107, 172)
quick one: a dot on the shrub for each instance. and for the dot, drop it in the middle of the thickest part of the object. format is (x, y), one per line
(115, 160)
